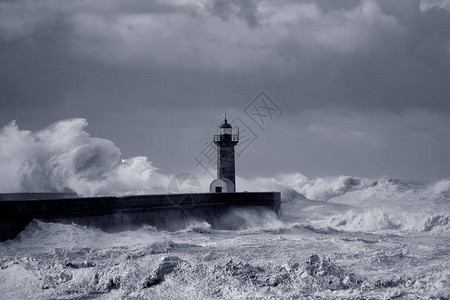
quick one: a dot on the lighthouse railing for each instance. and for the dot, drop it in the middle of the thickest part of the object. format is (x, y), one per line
(226, 137)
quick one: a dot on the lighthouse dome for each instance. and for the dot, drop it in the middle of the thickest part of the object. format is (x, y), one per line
(225, 125)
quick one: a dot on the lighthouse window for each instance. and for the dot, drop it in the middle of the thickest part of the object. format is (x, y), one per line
(226, 130)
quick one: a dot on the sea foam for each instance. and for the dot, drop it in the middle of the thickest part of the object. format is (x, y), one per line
(64, 157)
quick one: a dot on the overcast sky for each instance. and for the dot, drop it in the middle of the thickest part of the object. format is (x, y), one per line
(363, 87)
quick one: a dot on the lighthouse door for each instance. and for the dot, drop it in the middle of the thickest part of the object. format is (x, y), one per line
(218, 189)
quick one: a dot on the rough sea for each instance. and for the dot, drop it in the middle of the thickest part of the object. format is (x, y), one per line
(336, 238)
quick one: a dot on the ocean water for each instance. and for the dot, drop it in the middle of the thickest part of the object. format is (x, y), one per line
(337, 238)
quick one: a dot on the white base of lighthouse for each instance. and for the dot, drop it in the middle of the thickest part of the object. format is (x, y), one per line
(222, 185)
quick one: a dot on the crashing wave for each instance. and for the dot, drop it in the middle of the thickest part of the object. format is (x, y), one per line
(330, 187)
(388, 219)
(64, 157)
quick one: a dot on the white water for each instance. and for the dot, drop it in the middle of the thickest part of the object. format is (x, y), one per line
(338, 237)
(64, 157)
(382, 240)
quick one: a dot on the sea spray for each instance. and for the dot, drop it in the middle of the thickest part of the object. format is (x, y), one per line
(64, 157)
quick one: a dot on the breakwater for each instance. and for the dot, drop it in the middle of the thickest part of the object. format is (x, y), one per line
(167, 211)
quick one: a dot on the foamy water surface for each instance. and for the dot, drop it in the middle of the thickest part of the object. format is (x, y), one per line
(376, 239)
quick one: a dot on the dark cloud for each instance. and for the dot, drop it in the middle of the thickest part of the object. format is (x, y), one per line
(244, 9)
(375, 55)
(328, 6)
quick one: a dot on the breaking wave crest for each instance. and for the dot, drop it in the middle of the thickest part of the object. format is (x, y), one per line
(353, 190)
(297, 185)
(64, 157)
(327, 188)
(385, 219)
(355, 204)
(56, 235)
(318, 189)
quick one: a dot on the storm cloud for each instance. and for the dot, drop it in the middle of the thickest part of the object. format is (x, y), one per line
(364, 85)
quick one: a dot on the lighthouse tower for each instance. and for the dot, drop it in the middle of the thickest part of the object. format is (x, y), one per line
(225, 142)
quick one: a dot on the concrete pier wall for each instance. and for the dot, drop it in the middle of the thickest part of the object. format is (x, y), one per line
(167, 211)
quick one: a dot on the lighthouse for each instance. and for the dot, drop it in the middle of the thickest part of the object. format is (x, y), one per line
(225, 142)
